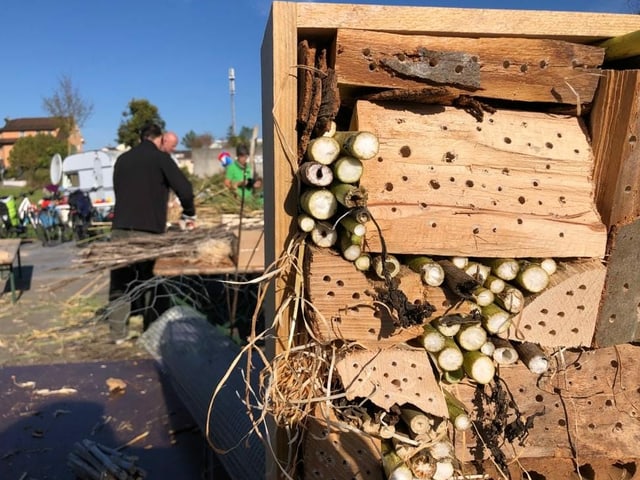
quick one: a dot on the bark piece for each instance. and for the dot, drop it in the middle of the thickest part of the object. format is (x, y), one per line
(522, 69)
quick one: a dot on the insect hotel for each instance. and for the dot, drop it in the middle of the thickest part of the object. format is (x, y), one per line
(452, 199)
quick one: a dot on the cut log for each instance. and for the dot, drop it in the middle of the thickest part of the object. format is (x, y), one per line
(533, 70)
(518, 179)
(343, 305)
(563, 315)
(392, 376)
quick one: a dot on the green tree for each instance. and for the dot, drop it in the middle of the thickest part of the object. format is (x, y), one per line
(192, 140)
(140, 112)
(244, 137)
(30, 157)
(68, 106)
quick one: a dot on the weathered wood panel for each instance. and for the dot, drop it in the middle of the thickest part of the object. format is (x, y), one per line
(615, 126)
(517, 184)
(343, 302)
(583, 27)
(590, 403)
(619, 318)
(530, 70)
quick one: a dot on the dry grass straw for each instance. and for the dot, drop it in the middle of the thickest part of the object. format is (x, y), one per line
(119, 253)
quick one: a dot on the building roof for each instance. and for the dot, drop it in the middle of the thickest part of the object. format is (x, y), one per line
(30, 124)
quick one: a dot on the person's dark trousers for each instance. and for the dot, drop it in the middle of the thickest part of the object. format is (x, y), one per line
(126, 296)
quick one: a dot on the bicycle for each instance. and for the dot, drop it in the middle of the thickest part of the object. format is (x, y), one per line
(81, 212)
(49, 228)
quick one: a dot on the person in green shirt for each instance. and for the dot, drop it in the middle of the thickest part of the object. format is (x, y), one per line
(238, 175)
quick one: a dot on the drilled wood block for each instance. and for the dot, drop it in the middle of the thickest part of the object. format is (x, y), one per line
(393, 376)
(342, 302)
(517, 184)
(535, 70)
(565, 313)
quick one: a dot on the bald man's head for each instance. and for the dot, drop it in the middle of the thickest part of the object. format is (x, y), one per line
(169, 142)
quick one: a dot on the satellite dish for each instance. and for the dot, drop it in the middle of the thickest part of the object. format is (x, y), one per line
(55, 170)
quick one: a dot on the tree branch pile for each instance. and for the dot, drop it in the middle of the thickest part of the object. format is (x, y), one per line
(215, 244)
(93, 461)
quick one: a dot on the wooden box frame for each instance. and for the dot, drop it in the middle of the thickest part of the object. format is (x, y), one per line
(289, 22)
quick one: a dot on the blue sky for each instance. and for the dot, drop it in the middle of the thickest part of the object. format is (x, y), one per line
(174, 53)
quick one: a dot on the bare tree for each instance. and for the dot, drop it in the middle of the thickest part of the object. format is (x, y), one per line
(68, 106)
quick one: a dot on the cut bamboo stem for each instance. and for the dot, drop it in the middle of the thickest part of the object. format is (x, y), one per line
(532, 355)
(315, 174)
(430, 272)
(510, 299)
(349, 195)
(390, 266)
(479, 367)
(504, 268)
(347, 169)
(324, 235)
(306, 222)
(504, 353)
(432, 340)
(417, 421)
(457, 412)
(622, 46)
(324, 150)
(471, 337)
(353, 226)
(457, 280)
(532, 277)
(361, 145)
(450, 358)
(363, 262)
(494, 319)
(320, 203)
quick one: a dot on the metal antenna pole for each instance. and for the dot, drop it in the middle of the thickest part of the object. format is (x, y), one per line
(232, 92)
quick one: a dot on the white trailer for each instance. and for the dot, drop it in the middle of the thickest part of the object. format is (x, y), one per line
(92, 172)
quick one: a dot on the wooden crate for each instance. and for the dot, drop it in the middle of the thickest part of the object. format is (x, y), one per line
(578, 197)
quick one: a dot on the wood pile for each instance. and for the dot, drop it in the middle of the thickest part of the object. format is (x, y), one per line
(506, 147)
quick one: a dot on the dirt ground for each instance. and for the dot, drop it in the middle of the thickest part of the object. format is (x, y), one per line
(56, 317)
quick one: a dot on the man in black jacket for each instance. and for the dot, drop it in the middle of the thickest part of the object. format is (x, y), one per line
(142, 180)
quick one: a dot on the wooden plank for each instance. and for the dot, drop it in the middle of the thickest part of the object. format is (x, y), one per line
(531, 70)
(615, 126)
(619, 318)
(592, 398)
(582, 27)
(517, 184)
(564, 314)
(342, 302)
(278, 57)
(8, 250)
